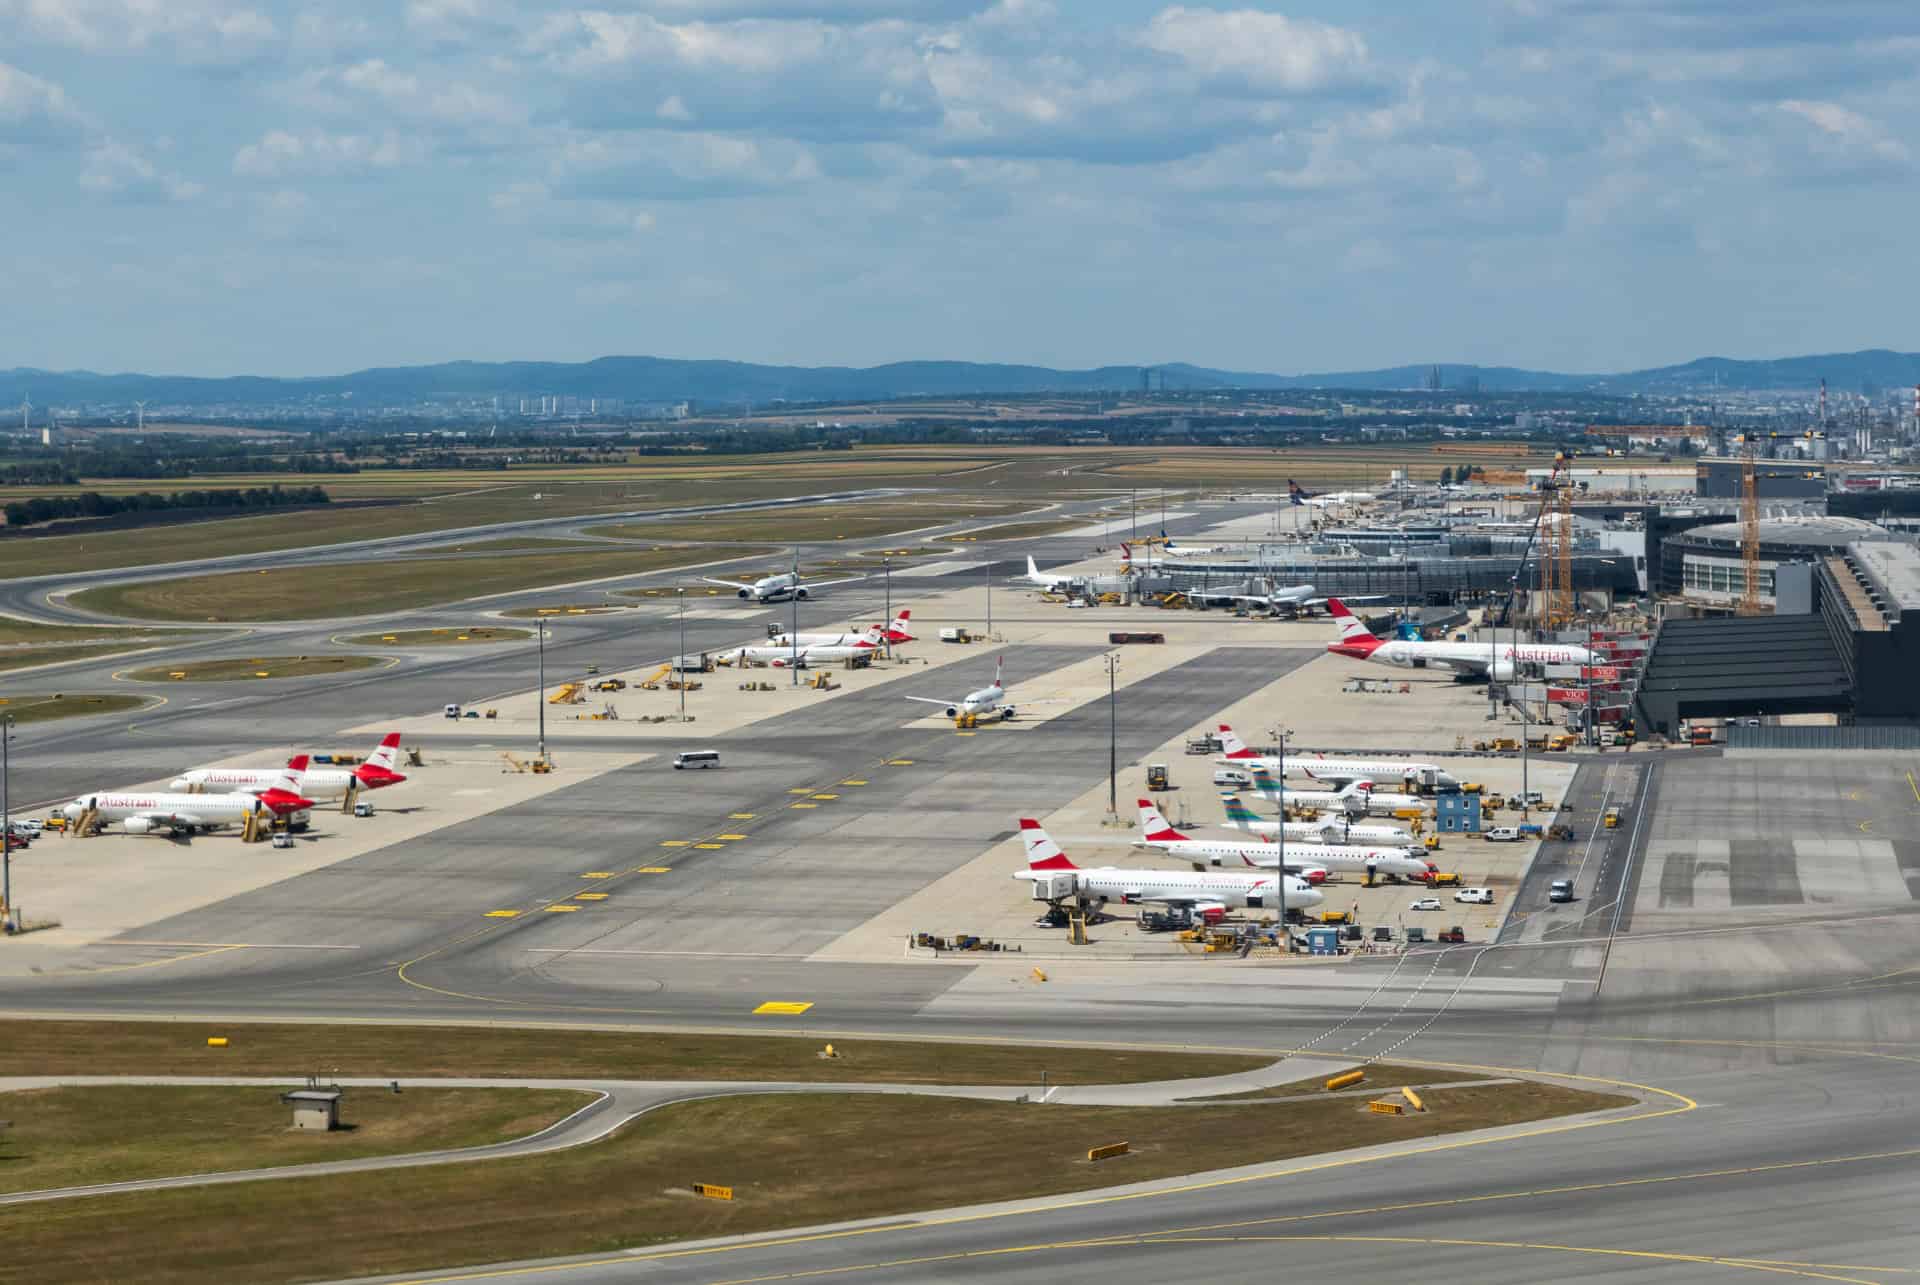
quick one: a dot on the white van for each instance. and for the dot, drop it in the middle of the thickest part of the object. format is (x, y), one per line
(1232, 776)
(1475, 896)
(696, 758)
(1501, 834)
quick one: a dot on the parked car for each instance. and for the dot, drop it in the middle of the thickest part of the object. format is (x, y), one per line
(283, 840)
(1426, 903)
(1560, 890)
(1475, 896)
(1454, 934)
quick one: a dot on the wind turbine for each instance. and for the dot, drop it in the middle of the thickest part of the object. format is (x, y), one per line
(140, 409)
(26, 411)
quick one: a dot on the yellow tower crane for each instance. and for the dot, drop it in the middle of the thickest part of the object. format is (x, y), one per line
(1749, 531)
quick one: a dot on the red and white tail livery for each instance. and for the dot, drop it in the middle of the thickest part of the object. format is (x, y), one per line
(1501, 662)
(1042, 852)
(1154, 827)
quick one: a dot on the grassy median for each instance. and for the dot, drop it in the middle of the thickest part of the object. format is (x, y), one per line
(791, 1160)
(78, 1135)
(807, 524)
(439, 637)
(250, 669)
(366, 588)
(24, 643)
(48, 1047)
(45, 709)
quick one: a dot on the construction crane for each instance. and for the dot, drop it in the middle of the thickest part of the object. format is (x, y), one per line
(1750, 528)
(1548, 489)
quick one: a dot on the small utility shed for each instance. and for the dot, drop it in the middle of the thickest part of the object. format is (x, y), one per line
(316, 1109)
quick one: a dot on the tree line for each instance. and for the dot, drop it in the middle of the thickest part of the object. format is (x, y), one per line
(92, 504)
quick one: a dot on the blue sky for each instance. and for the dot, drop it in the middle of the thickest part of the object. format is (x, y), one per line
(244, 186)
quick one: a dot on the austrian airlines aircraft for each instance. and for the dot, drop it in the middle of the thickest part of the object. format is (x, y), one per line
(185, 813)
(315, 782)
(1333, 771)
(1357, 797)
(1339, 831)
(1311, 860)
(784, 655)
(895, 633)
(1208, 895)
(1499, 661)
(987, 702)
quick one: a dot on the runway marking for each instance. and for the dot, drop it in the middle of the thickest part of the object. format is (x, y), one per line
(729, 837)
(151, 963)
(853, 782)
(672, 954)
(560, 908)
(652, 870)
(899, 762)
(783, 1008)
(598, 874)
(741, 816)
(228, 945)
(805, 789)
(675, 843)
(503, 914)
(826, 796)
(803, 805)
(963, 733)
(709, 845)
(590, 896)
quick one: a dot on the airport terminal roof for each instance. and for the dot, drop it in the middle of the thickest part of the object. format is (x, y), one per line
(1729, 666)
(1895, 570)
(1802, 532)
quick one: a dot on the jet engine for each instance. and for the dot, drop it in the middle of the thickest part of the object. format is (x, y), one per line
(746, 593)
(1503, 671)
(1317, 874)
(180, 785)
(953, 711)
(138, 825)
(800, 594)
(1006, 713)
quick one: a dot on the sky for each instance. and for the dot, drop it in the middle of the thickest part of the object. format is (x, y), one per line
(245, 186)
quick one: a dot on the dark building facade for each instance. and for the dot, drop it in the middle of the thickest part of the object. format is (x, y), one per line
(1716, 479)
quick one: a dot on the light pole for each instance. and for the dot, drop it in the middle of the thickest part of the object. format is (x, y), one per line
(680, 662)
(540, 697)
(6, 828)
(989, 597)
(1133, 501)
(793, 629)
(1113, 736)
(886, 633)
(1280, 838)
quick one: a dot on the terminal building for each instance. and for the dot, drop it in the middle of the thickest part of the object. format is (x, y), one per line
(1703, 565)
(1725, 479)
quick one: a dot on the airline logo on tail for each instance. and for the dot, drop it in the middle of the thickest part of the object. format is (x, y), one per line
(1294, 493)
(897, 631)
(1042, 853)
(378, 770)
(998, 686)
(1356, 639)
(1154, 827)
(284, 794)
(1237, 811)
(1232, 746)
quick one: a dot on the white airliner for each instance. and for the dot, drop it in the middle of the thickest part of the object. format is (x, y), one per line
(1356, 797)
(987, 703)
(1311, 861)
(1327, 499)
(143, 813)
(1337, 829)
(1208, 895)
(804, 656)
(895, 633)
(1043, 581)
(779, 588)
(1236, 753)
(314, 782)
(1499, 660)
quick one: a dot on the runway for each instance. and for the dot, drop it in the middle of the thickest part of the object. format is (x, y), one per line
(1778, 1038)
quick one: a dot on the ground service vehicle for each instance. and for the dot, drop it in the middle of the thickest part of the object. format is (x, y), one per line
(1444, 878)
(696, 758)
(283, 840)
(363, 809)
(1231, 776)
(1426, 903)
(1475, 896)
(1157, 776)
(1560, 890)
(453, 711)
(1454, 934)
(1502, 834)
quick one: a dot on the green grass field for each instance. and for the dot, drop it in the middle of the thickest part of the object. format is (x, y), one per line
(792, 1160)
(24, 643)
(366, 588)
(808, 524)
(79, 1135)
(439, 637)
(241, 669)
(46, 709)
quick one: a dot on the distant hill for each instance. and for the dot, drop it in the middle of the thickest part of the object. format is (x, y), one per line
(664, 379)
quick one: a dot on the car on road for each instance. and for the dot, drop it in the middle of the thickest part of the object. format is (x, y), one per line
(1560, 890)
(1426, 903)
(283, 840)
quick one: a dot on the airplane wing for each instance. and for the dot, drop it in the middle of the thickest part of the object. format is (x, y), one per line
(822, 584)
(731, 584)
(928, 700)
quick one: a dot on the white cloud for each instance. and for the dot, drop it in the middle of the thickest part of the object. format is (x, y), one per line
(672, 108)
(1848, 128)
(33, 110)
(118, 171)
(431, 95)
(1264, 51)
(200, 29)
(280, 153)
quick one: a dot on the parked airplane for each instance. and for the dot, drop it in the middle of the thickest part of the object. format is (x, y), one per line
(1499, 661)
(779, 588)
(1236, 753)
(143, 813)
(1355, 797)
(1056, 879)
(986, 703)
(314, 782)
(1310, 860)
(1043, 581)
(1327, 499)
(1338, 829)
(805, 656)
(895, 633)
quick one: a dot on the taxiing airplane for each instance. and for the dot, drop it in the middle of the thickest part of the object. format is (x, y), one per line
(314, 782)
(1210, 896)
(779, 588)
(895, 633)
(1338, 829)
(1236, 753)
(1327, 499)
(1498, 661)
(987, 703)
(143, 813)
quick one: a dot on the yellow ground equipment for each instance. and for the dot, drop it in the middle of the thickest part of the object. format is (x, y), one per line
(1612, 820)
(610, 685)
(1444, 878)
(821, 682)
(569, 694)
(651, 682)
(1157, 776)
